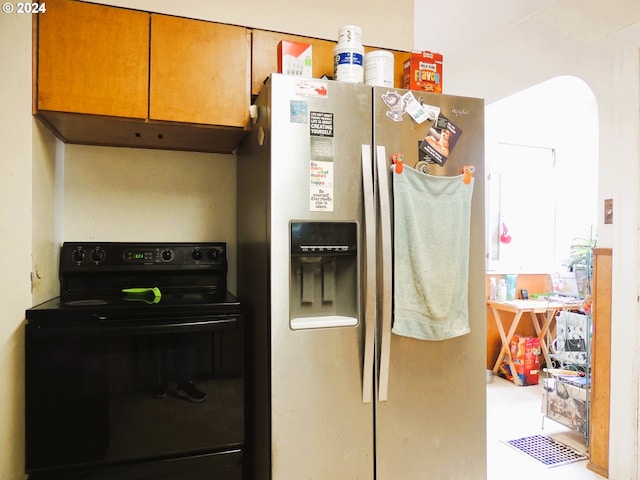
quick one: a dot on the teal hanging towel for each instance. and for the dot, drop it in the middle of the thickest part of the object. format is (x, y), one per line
(432, 217)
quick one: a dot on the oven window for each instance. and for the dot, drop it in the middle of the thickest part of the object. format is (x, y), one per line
(100, 396)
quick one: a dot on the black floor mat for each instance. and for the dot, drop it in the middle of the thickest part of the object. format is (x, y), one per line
(546, 450)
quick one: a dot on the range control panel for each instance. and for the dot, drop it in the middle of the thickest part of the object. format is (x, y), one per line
(76, 256)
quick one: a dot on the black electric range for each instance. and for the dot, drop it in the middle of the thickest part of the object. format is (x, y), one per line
(137, 369)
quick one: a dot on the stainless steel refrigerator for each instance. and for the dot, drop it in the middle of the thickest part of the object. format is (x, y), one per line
(334, 394)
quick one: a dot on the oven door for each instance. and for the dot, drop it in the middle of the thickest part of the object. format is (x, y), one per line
(138, 394)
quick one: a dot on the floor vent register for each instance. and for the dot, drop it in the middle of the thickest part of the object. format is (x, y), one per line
(546, 450)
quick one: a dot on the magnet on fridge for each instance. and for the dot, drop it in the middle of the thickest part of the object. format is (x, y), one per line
(398, 161)
(422, 167)
(394, 101)
(468, 171)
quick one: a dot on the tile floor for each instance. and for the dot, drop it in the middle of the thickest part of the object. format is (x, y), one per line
(514, 412)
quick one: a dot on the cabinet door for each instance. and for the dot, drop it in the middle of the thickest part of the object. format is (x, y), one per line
(93, 59)
(199, 72)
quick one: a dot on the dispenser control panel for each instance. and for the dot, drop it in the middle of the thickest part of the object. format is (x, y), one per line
(328, 238)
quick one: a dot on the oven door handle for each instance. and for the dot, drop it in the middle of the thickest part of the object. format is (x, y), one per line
(111, 327)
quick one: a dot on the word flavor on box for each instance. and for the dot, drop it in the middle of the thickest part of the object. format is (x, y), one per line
(423, 72)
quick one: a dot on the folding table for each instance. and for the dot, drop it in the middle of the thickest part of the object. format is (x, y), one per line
(541, 312)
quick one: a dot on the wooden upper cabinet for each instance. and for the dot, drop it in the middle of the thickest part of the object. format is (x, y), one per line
(199, 72)
(93, 59)
(113, 76)
(265, 57)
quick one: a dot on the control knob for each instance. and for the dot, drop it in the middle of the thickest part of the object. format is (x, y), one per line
(79, 254)
(196, 254)
(167, 255)
(97, 255)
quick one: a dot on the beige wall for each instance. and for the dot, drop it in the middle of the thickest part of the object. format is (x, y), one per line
(46, 212)
(313, 19)
(15, 233)
(123, 194)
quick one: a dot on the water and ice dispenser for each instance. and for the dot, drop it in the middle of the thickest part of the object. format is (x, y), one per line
(324, 281)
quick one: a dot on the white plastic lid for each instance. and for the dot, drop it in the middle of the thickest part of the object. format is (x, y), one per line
(350, 34)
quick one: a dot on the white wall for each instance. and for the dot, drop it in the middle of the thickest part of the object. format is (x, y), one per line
(599, 45)
(46, 212)
(559, 114)
(124, 194)
(383, 24)
(15, 233)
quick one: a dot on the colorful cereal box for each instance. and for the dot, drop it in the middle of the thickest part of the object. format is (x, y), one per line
(423, 72)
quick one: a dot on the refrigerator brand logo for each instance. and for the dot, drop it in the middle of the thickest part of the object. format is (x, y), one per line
(459, 111)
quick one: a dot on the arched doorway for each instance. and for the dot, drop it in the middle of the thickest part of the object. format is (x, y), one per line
(542, 166)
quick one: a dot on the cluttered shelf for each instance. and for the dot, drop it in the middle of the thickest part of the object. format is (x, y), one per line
(565, 398)
(562, 344)
(576, 379)
(537, 286)
(554, 350)
(541, 312)
(567, 386)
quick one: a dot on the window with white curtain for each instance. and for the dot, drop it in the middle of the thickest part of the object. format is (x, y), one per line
(541, 186)
(522, 207)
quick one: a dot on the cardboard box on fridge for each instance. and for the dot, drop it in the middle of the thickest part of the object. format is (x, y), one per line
(423, 72)
(525, 352)
(295, 58)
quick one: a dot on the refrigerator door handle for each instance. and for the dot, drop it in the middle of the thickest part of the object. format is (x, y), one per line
(386, 254)
(370, 272)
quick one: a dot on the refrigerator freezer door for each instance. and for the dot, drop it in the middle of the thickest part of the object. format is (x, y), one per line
(320, 428)
(432, 424)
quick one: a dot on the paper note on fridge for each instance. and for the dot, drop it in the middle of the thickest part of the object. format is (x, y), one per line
(418, 111)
